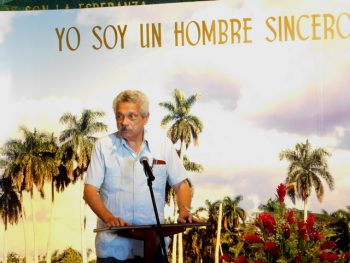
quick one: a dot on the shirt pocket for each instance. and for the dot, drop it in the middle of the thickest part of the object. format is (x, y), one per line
(113, 176)
(160, 177)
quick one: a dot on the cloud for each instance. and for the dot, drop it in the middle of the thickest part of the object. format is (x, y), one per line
(8, 110)
(340, 194)
(5, 25)
(213, 86)
(255, 186)
(320, 110)
(344, 142)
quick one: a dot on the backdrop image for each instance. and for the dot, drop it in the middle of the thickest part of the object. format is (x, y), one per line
(264, 77)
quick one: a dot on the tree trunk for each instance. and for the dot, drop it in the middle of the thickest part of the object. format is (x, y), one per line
(173, 252)
(180, 249)
(218, 235)
(34, 230)
(221, 253)
(305, 210)
(5, 244)
(49, 238)
(26, 251)
(83, 221)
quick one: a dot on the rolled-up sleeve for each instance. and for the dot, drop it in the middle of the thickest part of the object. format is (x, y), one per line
(176, 170)
(96, 169)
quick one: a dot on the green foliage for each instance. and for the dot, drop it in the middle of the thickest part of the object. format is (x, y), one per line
(192, 166)
(14, 258)
(199, 244)
(30, 161)
(10, 204)
(69, 255)
(232, 213)
(339, 223)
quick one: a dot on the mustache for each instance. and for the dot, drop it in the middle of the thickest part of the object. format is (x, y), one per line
(124, 128)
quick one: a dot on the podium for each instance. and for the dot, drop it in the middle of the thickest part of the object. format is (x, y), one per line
(148, 234)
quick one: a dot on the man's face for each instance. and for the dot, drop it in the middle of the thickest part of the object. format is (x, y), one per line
(130, 122)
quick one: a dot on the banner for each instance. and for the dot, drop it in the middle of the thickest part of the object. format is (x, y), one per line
(27, 5)
(268, 75)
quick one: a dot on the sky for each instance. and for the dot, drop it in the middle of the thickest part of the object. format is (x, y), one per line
(256, 99)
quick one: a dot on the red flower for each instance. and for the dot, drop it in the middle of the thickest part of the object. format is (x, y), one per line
(331, 257)
(328, 245)
(323, 256)
(302, 229)
(252, 238)
(316, 235)
(298, 257)
(241, 259)
(310, 223)
(268, 221)
(259, 261)
(272, 248)
(286, 230)
(226, 257)
(347, 255)
(290, 216)
(281, 191)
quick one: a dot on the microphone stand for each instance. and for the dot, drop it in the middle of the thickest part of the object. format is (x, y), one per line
(150, 178)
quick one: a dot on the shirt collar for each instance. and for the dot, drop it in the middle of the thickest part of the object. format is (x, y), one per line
(146, 139)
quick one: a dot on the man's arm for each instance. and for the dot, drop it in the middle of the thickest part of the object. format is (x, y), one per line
(93, 199)
(183, 197)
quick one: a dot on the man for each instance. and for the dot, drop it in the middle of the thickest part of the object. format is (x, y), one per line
(116, 186)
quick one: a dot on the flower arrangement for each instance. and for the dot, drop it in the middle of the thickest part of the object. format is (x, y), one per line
(285, 237)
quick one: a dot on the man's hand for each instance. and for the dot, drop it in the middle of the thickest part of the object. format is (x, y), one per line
(183, 197)
(185, 216)
(115, 221)
(93, 199)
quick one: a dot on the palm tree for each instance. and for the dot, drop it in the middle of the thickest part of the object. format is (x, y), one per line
(194, 240)
(212, 210)
(59, 183)
(306, 168)
(341, 228)
(9, 161)
(270, 206)
(10, 207)
(232, 213)
(342, 214)
(77, 144)
(338, 223)
(218, 234)
(184, 128)
(30, 162)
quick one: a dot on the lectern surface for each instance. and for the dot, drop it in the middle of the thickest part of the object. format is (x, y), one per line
(113, 228)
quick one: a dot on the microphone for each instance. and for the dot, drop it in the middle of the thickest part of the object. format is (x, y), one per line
(146, 167)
